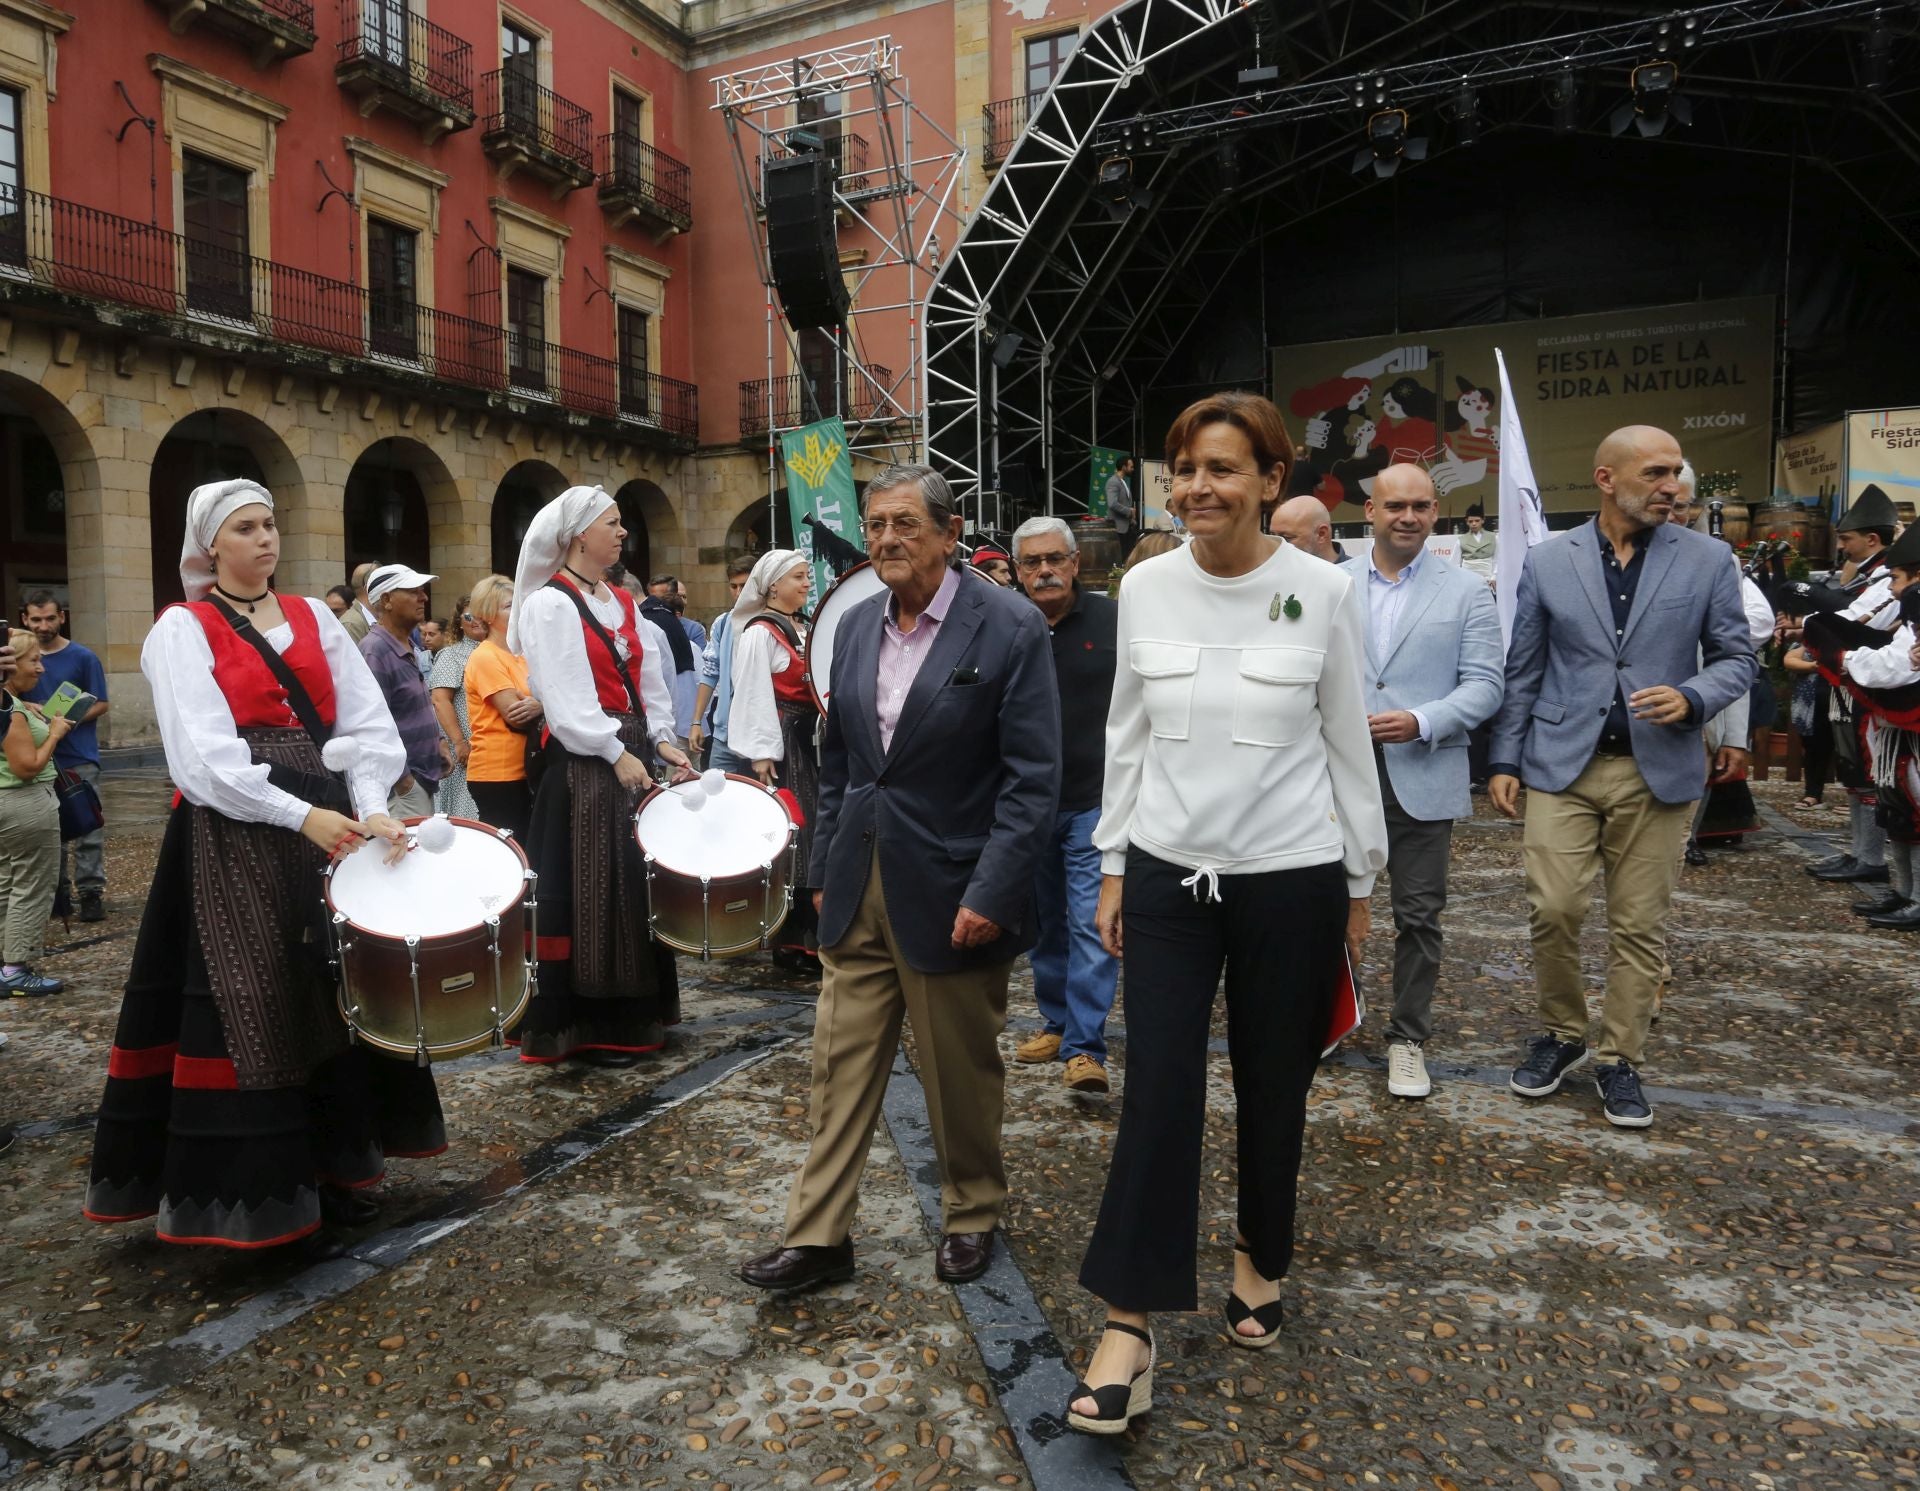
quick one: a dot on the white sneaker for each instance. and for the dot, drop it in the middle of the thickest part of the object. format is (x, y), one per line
(1407, 1071)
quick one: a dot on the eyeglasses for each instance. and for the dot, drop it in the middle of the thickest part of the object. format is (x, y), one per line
(907, 528)
(1031, 562)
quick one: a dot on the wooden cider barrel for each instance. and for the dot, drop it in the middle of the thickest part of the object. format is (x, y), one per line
(1099, 551)
(1817, 530)
(1735, 520)
(1776, 520)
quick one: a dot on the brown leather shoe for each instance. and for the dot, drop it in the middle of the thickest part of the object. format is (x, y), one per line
(1037, 1048)
(800, 1268)
(1084, 1074)
(963, 1256)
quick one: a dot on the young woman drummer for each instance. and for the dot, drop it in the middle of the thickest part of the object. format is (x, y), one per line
(607, 991)
(236, 1113)
(773, 719)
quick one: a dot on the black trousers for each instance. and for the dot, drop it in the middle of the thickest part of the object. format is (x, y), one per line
(505, 805)
(1278, 937)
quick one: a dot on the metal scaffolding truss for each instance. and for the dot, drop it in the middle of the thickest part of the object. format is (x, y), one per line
(1063, 302)
(900, 192)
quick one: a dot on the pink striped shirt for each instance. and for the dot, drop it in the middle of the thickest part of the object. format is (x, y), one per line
(902, 653)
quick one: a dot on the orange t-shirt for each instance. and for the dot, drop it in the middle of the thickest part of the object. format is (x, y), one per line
(498, 753)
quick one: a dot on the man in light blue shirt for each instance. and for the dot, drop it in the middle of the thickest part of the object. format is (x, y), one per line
(715, 692)
(1433, 673)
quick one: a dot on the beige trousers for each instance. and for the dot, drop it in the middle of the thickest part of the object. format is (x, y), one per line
(1608, 815)
(957, 1020)
(29, 868)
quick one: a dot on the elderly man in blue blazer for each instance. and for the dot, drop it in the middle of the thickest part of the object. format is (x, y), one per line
(1433, 674)
(1628, 636)
(939, 778)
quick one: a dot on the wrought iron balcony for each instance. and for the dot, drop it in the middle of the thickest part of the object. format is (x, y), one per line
(790, 401)
(638, 181)
(401, 61)
(272, 30)
(78, 251)
(1001, 123)
(525, 126)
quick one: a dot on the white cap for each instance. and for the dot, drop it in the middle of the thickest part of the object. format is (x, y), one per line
(395, 577)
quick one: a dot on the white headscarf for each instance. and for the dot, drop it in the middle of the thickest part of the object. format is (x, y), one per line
(209, 507)
(768, 570)
(544, 549)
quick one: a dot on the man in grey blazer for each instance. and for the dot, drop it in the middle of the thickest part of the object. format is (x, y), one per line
(1628, 636)
(1121, 506)
(1433, 674)
(939, 779)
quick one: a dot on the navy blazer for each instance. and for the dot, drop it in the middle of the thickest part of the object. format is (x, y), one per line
(962, 804)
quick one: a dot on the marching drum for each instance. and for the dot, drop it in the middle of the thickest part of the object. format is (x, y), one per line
(719, 857)
(435, 953)
(856, 585)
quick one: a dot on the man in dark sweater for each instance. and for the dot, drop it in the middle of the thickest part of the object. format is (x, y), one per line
(1073, 975)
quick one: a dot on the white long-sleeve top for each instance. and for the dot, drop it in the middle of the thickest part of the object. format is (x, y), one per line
(1237, 738)
(209, 762)
(753, 719)
(1888, 667)
(561, 678)
(1760, 618)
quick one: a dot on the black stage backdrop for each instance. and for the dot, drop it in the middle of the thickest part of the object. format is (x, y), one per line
(1528, 224)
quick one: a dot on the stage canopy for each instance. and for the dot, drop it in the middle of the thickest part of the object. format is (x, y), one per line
(1205, 182)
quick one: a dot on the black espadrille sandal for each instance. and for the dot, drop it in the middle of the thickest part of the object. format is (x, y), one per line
(1268, 1317)
(1119, 1403)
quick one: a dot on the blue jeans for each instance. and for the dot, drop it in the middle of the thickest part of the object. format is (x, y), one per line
(1073, 976)
(721, 757)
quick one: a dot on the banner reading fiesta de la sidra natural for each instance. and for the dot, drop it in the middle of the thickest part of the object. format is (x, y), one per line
(1703, 371)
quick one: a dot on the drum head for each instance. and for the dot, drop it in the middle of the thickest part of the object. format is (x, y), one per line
(735, 832)
(429, 895)
(856, 585)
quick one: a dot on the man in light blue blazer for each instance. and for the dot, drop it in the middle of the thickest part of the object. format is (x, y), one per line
(1433, 674)
(1628, 636)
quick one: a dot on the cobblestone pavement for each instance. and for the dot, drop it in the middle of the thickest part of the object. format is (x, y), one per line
(1485, 1294)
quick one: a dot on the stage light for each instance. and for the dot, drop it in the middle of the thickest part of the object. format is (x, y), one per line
(1249, 76)
(1006, 347)
(1228, 161)
(1387, 145)
(1874, 55)
(1563, 97)
(1113, 186)
(1654, 101)
(1466, 116)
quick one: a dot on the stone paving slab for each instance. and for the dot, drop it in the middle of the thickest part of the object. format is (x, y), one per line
(1486, 1293)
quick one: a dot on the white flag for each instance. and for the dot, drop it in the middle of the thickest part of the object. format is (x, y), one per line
(1522, 522)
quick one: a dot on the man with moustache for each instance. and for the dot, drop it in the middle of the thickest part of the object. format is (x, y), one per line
(1432, 676)
(398, 598)
(1628, 636)
(1074, 977)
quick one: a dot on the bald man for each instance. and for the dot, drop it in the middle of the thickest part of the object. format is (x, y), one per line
(1304, 523)
(358, 618)
(1432, 676)
(1628, 636)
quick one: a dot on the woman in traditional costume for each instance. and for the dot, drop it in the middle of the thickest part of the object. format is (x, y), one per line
(773, 718)
(607, 990)
(236, 1112)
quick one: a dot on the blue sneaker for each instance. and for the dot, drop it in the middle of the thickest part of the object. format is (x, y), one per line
(1620, 1096)
(1549, 1059)
(26, 984)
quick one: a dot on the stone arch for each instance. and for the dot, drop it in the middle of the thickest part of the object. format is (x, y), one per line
(51, 510)
(401, 504)
(522, 492)
(749, 532)
(654, 540)
(214, 445)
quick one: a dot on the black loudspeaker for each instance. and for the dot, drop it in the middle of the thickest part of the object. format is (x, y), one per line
(803, 240)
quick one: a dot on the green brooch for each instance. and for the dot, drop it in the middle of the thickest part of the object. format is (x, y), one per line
(1291, 607)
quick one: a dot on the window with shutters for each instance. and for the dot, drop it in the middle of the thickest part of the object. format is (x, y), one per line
(519, 77)
(820, 367)
(526, 329)
(629, 164)
(13, 206)
(392, 289)
(633, 361)
(213, 198)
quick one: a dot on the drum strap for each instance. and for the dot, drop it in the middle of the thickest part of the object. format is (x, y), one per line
(606, 641)
(298, 699)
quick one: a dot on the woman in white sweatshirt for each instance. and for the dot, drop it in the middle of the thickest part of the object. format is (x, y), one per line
(1240, 833)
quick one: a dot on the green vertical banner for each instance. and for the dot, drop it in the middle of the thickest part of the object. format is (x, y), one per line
(820, 488)
(1105, 463)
